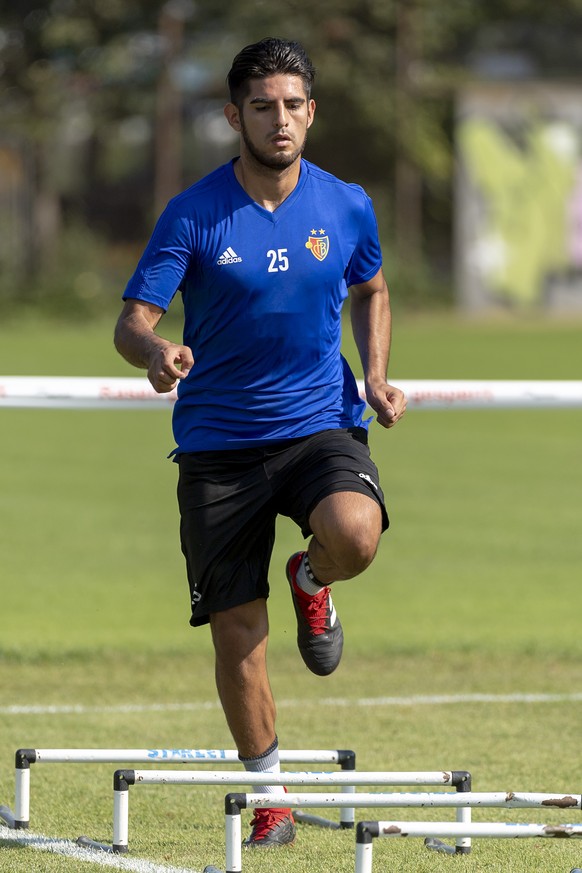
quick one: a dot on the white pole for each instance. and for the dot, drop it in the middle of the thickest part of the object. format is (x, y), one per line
(348, 813)
(482, 394)
(349, 778)
(169, 756)
(70, 392)
(22, 797)
(492, 799)
(463, 816)
(364, 857)
(233, 842)
(120, 821)
(136, 756)
(497, 830)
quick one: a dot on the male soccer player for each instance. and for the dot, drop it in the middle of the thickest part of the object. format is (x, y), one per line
(268, 419)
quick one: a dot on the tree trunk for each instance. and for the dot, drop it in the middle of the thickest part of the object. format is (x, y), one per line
(407, 178)
(168, 133)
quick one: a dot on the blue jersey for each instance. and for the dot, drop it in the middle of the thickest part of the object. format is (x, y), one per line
(262, 294)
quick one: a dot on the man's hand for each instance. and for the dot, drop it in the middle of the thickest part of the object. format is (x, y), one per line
(168, 364)
(136, 340)
(387, 401)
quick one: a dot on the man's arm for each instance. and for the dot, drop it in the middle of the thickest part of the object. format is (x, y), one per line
(371, 324)
(135, 340)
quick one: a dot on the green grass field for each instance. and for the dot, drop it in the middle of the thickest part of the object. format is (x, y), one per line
(475, 590)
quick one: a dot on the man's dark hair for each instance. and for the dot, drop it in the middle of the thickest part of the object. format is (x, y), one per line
(269, 57)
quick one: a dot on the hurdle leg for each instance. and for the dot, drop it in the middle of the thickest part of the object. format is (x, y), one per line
(233, 804)
(463, 844)
(364, 845)
(347, 759)
(22, 797)
(21, 816)
(347, 813)
(463, 782)
(122, 779)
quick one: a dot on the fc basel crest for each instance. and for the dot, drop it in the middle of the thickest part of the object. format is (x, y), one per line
(318, 245)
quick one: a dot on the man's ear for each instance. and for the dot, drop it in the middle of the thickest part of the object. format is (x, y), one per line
(232, 115)
(310, 112)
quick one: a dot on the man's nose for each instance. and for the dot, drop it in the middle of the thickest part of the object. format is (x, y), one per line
(280, 119)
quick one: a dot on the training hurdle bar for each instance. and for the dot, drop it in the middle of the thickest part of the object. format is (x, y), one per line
(462, 829)
(348, 800)
(366, 831)
(24, 758)
(92, 392)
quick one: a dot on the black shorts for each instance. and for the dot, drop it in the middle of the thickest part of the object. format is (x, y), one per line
(229, 502)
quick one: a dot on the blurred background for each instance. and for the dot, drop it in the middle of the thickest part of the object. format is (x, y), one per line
(462, 120)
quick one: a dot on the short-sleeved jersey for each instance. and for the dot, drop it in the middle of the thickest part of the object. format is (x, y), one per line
(262, 294)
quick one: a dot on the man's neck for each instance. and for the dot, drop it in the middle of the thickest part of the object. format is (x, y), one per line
(267, 187)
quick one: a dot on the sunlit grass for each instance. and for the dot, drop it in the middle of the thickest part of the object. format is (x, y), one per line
(475, 590)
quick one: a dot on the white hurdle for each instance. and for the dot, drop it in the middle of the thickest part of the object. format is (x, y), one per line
(346, 798)
(366, 831)
(24, 758)
(462, 830)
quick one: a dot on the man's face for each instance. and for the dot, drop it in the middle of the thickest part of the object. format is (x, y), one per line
(273, 120)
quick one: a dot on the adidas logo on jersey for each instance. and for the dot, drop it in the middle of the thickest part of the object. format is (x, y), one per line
(228, 257)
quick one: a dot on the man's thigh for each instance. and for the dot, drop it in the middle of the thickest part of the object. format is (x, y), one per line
(331, 462)
(347, 515)
(227, 529)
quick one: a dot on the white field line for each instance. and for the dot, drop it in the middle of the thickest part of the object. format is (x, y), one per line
(414, 700)
(90, 856)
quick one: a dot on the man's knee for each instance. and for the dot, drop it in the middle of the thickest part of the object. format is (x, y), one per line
(348, 526)
(356, 551)
(240, 631)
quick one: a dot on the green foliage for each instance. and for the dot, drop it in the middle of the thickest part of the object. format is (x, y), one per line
(83, 279)
(79, 85)
(415, 286)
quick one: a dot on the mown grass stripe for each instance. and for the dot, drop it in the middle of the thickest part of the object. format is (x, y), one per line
(413, 700)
